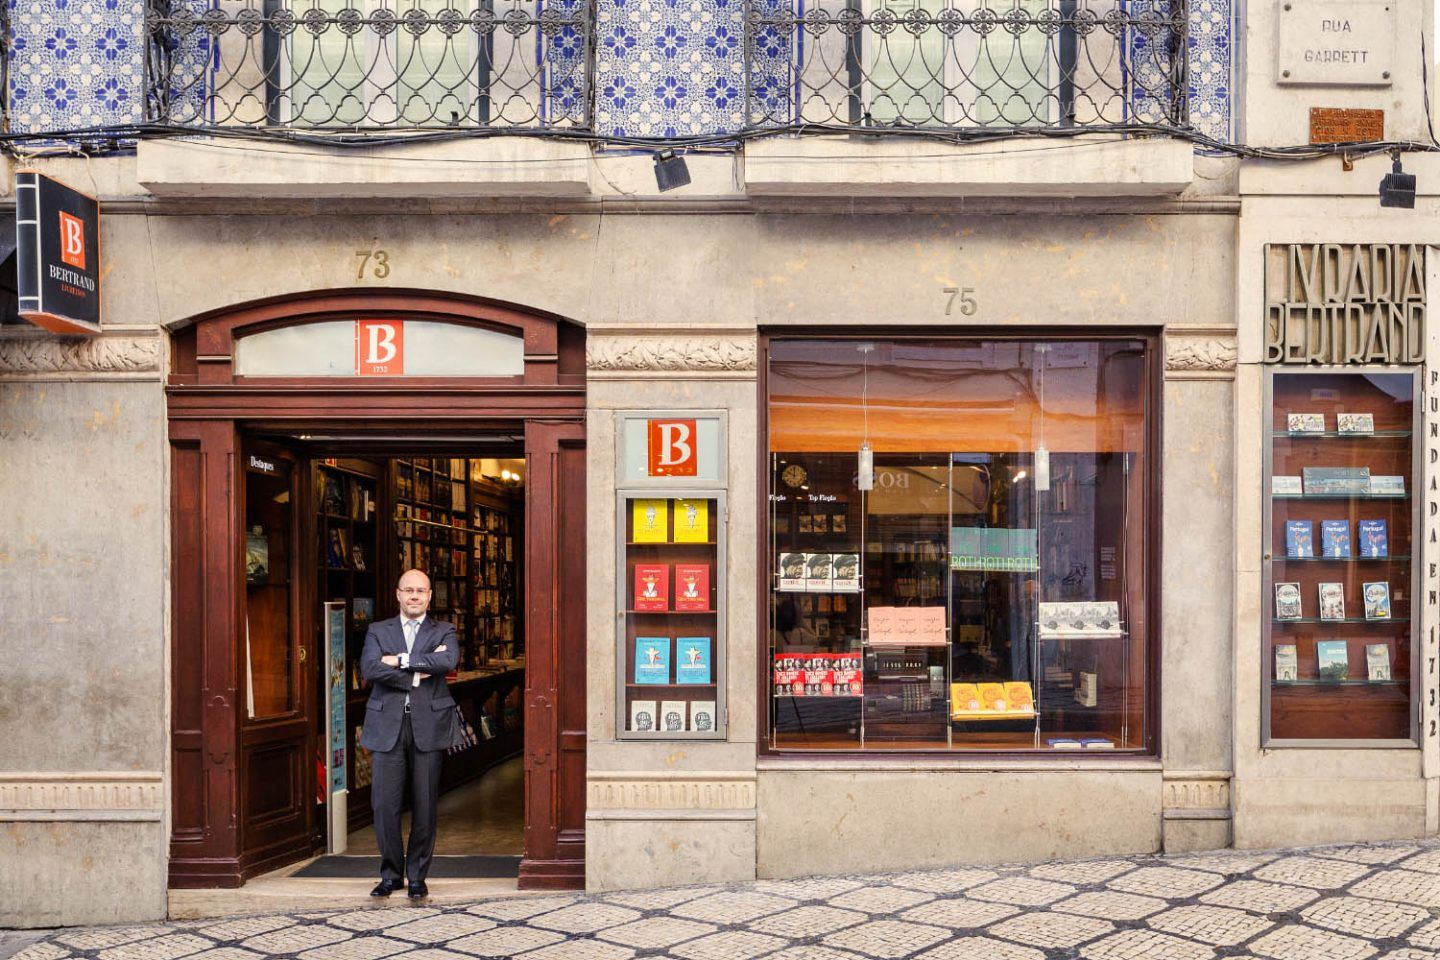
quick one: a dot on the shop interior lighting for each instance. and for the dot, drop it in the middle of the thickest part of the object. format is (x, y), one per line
(670, 170)
(1397, 188)
(865, 467)
(1042, 455)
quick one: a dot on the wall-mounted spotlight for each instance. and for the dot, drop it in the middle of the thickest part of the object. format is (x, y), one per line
(1397, 188)
(670, 170)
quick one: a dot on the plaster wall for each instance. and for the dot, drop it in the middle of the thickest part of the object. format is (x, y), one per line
(83, 710)
(857, 818)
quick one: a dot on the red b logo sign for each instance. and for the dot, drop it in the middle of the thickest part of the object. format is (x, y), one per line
(72, 240)
(379, 348)
(673, 448)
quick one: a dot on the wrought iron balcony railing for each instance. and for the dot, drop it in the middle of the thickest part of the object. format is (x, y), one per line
(524, 65)
(1020, 64)
(343, 64)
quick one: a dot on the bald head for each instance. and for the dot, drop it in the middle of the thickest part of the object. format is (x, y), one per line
(413, 593)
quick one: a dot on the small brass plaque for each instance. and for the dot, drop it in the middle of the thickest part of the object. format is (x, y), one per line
(1334, 125)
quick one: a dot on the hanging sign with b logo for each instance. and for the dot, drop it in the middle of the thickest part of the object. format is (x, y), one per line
(379, 348)
(673, 448)
(57, 261)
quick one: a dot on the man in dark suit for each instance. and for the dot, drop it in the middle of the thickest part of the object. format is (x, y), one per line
(408, 723)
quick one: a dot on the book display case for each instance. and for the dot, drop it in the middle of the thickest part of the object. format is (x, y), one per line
(1339, 549)
(348, 551)
(671, 593)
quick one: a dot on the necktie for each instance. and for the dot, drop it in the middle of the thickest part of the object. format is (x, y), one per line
(411, 626)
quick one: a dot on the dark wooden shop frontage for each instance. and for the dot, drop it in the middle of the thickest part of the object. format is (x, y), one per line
(249, 790)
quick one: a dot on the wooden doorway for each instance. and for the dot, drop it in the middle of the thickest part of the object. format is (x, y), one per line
(226, 831)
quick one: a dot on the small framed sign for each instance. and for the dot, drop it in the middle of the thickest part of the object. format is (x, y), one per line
(57, 239)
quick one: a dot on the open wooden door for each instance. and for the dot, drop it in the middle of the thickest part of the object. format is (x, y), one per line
(554, 656)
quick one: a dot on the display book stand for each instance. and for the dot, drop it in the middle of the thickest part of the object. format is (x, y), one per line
(1340, 558)
(670, 596)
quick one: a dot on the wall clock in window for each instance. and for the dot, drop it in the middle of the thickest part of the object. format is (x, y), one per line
(794, 475)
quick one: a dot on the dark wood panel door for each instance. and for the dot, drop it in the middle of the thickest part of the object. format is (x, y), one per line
(277, 778)
(554, 657)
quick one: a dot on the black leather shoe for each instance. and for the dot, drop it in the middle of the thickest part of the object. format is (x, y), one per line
(385, 887)
(418, 891)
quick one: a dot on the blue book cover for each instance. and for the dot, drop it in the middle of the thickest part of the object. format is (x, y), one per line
(1335, 538)
(692, 660)
(652, 659)
(1299, 538)
(1374, 539)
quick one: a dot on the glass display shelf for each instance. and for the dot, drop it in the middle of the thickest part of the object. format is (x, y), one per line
(1281, 558)
(1340, 496)
(1340, 620)
(1333, 435)
(1338, 683)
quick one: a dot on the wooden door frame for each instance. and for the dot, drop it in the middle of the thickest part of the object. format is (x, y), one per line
(209, 405)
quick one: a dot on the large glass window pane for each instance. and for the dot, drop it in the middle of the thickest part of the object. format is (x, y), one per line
(984, 586)
(1338, 647)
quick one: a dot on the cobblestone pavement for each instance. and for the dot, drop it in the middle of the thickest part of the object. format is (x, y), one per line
(1320, 903)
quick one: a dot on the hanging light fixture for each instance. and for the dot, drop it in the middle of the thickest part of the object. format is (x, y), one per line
(865, 467)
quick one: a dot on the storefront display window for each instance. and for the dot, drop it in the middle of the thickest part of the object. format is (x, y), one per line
(958, 537)
(1340, 530)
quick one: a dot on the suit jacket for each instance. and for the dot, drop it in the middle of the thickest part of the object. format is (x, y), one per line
(430, 702)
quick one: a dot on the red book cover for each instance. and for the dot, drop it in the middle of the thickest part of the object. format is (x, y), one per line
(692, 586)
(652, 586)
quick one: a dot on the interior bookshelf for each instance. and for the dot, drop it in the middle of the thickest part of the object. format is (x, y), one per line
(432, 533)
(496, 565)
(347, 552)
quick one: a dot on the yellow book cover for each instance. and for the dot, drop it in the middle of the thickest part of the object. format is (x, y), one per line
(692, 521)
(992, 696)
(964, 697)
(651, 521)
(1020, 695)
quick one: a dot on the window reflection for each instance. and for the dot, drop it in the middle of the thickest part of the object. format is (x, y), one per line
(985, 586)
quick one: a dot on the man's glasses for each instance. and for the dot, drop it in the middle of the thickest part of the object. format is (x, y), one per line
(416, 590)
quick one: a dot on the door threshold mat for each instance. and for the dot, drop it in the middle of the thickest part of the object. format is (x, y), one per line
(441, 868)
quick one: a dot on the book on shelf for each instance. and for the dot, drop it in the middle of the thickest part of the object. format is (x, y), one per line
(1335, 539)
(838, 523)
(672, 716)
(1064, 743)
(337, 553)
(792, 572)
(992, 697)
(642, 716)
(1287, 486)
(1377, 662)
(1020, 696)
(845, 572)
(1377, 600)
(1287, 601)
(651, 521)
(1097, 743)
(652, 587)
(1299, 538)
(1287, 663)
(1333, 659)
(692, 660)
(818, 572)
(1355, 422)
(359, 556)
(1087, 690)
(332, 495)
(1336, 480)
(652, 660)
(1374, 538)
(1332, 601)
(692, 586)
(702, 716)
(257, 556)
(364, 610)
(964, 697)
(1386, 485)
(442, 594)
(1305, 422)
(692, 521)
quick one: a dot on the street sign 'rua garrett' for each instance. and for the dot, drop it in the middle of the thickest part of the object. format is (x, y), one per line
(1332, 303)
